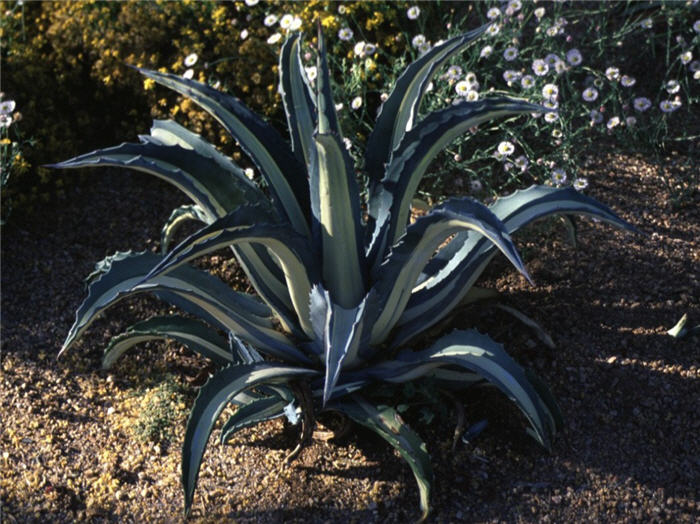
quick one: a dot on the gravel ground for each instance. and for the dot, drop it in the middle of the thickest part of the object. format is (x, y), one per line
(69, 445)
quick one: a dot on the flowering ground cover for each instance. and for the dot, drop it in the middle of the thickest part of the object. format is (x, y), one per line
(620, 81)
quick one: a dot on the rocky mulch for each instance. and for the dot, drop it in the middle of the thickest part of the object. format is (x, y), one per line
(72, 445)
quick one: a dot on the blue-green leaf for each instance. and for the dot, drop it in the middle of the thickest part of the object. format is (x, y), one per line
(399, 112)
(417, 150)
(284, 174)
(339, 221)
(201, 178)
(480, 354)
(212, 399)
(397, 275)
(456, 266)
(297, 98)
(386, 422)
(292, 251)
(178, 217)
(253, 412)
(197, 336)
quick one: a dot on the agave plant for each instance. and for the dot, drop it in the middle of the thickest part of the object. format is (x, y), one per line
(344, 286)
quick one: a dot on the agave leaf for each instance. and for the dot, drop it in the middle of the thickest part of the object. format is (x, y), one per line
(387, 423)
(463, 260)
(168, 132)
(292, 252)
(197, 336)
(253, 412)
(201, 178)
(339, 330)
(333, 183)
(418, 149)
(522, 317)
(178, 217)
(212, 399)
(327, 117)
(398, 113)
(268, 150)
(403, 266)
(480, 354)
(297, 98)
(194, 290)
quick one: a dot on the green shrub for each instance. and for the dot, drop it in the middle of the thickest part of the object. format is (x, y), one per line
(344, 284)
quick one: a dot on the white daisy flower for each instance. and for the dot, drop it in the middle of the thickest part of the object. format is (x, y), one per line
(359, 48)
(558, 176)
(539, 13)
(454, 72)
(462, 88)
(188, 74)
(686, 57)
(244, 34)
(630, 121)
(553, 30)
(486, 51)
(596, 116)
(370, 49)
(612, 73)
(251, 3)
(694, 66)
(590, 94)
(5, 121)
(527, 81)
(274, 38)
(641, 104)
(628, 81)
(646, 23)
(505, 148)
(580, 183)
(345, 34)
(250, 173)
(672, 87)
(311, 73)
(384, 97)
(515, 5)
(418, 41)
(413, 12)
(696, 26)
(669, 106)
(550, 91)
(613, 122)
(522, 162)
(348, 143)
(286, 21)
(471, 79)
(339, 106)
(551, 117)
(540, 67)
(472, 95)
(511, 76)
(191, 59)
(493, 30)
(574, 57)
(356, 102)
(493, 13)
(270, 20)
(7, 107)
(550, 104)
(296, 23)
(552, 59)
(510, 54)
